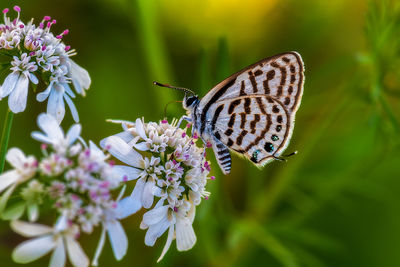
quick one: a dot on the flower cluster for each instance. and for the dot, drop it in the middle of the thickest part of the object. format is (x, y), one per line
(75, 181)
(37, 53)
(171, 174)
(75, 184)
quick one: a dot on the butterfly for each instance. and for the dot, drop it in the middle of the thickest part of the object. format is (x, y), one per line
(252, 112)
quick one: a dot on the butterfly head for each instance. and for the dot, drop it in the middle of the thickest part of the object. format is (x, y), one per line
(190, 101)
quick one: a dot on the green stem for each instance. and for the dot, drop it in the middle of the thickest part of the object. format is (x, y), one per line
(5, 137)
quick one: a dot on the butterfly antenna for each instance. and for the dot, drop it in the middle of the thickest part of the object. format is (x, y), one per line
(289, 155)
(186, 90)
(166, 106)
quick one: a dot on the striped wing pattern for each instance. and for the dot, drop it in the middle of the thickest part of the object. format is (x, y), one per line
(252, 112)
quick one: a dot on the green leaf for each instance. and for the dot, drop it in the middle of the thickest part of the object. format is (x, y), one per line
(14, 212)
(4, 198)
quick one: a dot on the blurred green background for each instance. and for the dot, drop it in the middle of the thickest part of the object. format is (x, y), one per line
(336, 203)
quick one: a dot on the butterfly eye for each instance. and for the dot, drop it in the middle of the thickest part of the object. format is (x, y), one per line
(190, 100)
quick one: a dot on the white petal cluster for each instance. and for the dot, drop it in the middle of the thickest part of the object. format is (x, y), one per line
(170, 170)
(37, 52)
(76, 182)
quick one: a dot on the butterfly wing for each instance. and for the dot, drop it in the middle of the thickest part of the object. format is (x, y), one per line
(256, 126)
(255, 107)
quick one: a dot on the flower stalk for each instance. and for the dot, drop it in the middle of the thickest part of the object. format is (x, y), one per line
(5, 136)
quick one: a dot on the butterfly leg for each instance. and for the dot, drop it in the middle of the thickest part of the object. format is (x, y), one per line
(222, 155)
(186, 118)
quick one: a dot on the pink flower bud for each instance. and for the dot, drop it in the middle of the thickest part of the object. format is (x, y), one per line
(17, 8)
(5, 11)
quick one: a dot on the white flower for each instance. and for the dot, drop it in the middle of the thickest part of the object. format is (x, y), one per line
(24, 169)
(9, 39)
(48, 57)
(33, 196)
(173, 169)
(59, 239)
(16, 83)
(56, 94)
(142, 194)
(177, 220)
(54, 135)
(117, 236)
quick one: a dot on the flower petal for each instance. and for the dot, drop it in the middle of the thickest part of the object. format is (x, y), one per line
(148, 194)
(68, 90)
(33, 249)
(140, 129)
(50, 127)
(118, 239)
(43, 95)
(141, 146)
(126, 136)
(80, 77)
(33, 212)
(8, 178)
(72, 107)
(126, 172)
(73, 133)
(76, 254)
(155, 215)
(129, 205)
(16, 158)
(122, 151)
(185, 236)
(155, 231)
(168, 243)
(19, 96)
(55, 104)
(41, 137)
(30, 229)
(58, 256)
(9, 84)
(33, 78)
